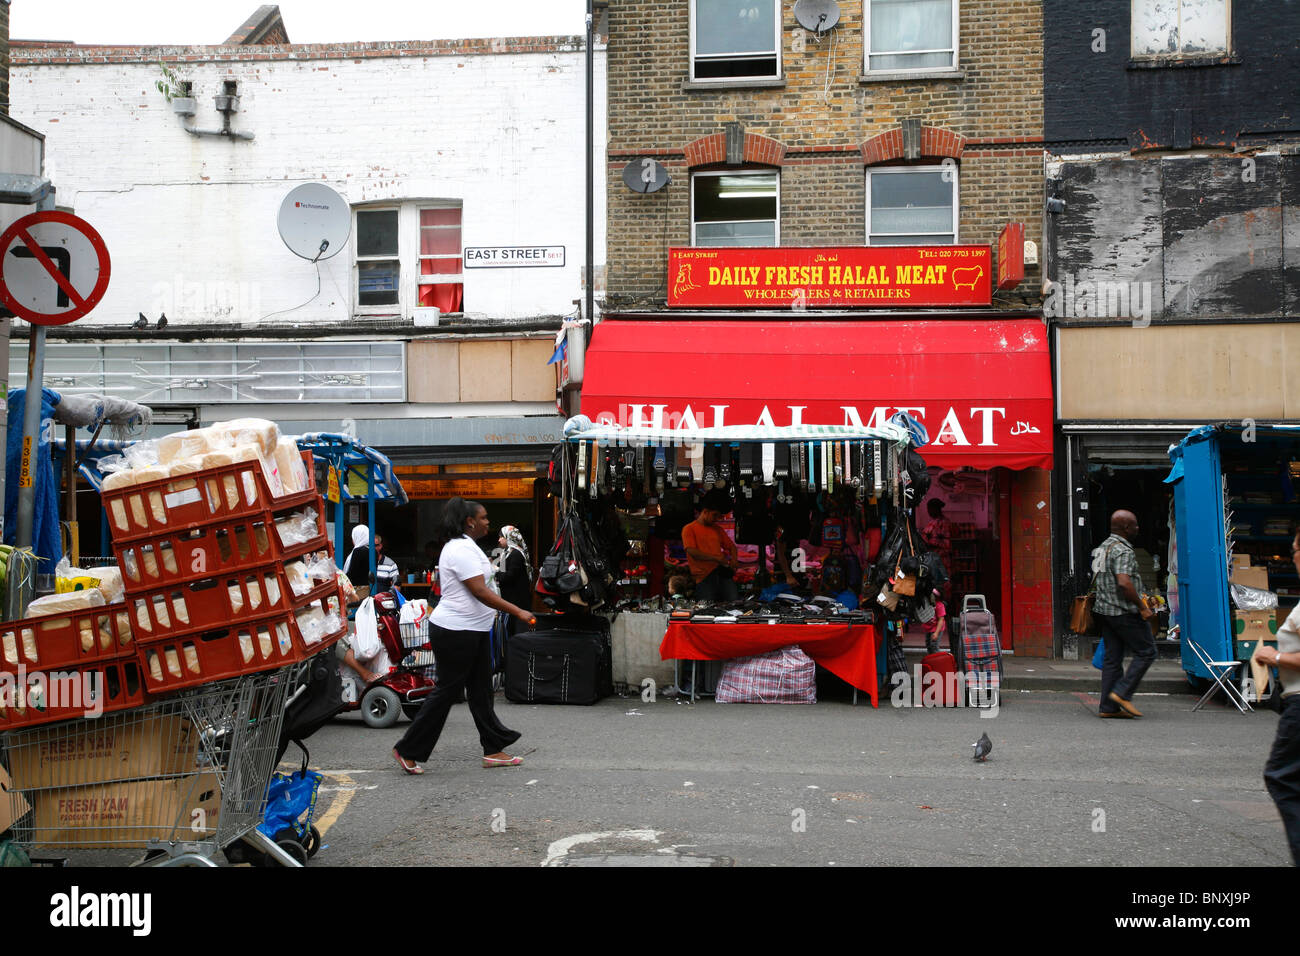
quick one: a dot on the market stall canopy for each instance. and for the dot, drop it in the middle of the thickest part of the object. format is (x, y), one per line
(982, 389)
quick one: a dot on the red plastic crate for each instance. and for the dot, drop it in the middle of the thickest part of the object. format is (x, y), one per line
(214, 550)
(196, 659)
(196, 606)
(53, 642)
(188, 501)
(116, 685)
(327, 599)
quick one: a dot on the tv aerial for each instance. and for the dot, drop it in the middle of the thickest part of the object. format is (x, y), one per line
(817, 15)
(314, 221)
(645, 175)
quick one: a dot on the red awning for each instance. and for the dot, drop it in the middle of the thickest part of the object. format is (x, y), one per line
(984, 390)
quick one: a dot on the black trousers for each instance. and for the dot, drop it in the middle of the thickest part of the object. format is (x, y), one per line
(1124, 632)
(464, 662)
(1282, 772)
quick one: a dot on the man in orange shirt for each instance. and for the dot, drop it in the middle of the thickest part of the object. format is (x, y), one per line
(710, 552)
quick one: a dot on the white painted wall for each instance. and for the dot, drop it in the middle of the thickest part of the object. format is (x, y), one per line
(190, 221)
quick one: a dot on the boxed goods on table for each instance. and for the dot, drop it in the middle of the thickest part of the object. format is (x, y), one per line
(1255, 625)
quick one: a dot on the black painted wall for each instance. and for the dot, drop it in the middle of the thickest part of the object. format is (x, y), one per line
(1104, 97)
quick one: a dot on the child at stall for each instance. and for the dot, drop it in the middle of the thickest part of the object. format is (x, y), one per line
(937, 626)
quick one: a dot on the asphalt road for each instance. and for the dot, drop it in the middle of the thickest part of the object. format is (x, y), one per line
(669, 784)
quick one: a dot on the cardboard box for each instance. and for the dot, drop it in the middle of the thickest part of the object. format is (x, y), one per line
(12, 804)
(107, 749)
(128, 814)
(1254, 625)
(1250, 577)
(1240, 561)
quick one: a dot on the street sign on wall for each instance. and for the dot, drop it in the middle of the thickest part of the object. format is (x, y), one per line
(816, 278)
(54, 268)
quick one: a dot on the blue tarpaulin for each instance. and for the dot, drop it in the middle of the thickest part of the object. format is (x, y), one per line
(45, 525)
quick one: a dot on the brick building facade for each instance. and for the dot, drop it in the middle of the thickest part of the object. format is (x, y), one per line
(829, 114)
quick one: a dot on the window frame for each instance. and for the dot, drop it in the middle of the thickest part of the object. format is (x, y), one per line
(898, 170)
(755, 171)
(952, 67)
(733, 80)
(1179, 54)
(408, 256)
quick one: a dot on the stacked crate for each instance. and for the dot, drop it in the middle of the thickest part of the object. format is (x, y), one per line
(63, 666)
(203, 565)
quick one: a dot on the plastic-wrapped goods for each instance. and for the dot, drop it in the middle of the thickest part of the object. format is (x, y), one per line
(117, 507)
(155, 666)
(298, 528)
(332, 624)
(173, 662)
(283, 638)
(250, 431)
(219, 459)
(110, 583)
(125, 636)
(66, 603)
(194, 443)
(1252, 599)
(293, 473)
(191, 658)
(296, 573)
(245, 646)
(86, 632)
(311, 624)
(180, 609)
(264, 642)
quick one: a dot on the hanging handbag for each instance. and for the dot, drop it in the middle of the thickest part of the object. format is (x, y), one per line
(905, 584)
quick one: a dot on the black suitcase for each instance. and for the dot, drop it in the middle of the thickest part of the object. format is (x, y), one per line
(559, 667)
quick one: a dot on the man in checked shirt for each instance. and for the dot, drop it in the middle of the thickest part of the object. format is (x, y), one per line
(1123, 615)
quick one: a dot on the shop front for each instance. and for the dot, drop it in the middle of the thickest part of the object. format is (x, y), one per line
(977, 379)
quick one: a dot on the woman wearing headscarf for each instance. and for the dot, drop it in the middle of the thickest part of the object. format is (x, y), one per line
(515, 578)
(460, 632)
(357, 564)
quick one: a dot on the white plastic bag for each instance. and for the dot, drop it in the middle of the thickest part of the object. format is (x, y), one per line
(366, 643)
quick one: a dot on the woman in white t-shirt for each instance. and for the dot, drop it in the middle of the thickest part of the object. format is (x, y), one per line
(460, 632)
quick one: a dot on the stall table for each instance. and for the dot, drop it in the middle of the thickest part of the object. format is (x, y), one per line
(846, 650)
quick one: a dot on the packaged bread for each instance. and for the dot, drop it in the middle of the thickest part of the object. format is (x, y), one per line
(168, 556)
(264, 642)
(293, 473)
(29, 644)
(124, 635)
(296, 573)
(236, 598)
(9, 647)
(106, 638)
(180, 609)
(180, 446)
(191, 658)
(173, 661)
(130, 567)
(272, 585)
(86, 631)
(245, 646)
(119, 479)
(142, 619)
(66, 603)
(143, 475)
(270, 472)
(150, 561)
(160, 611)
(219, 459)
(110, 583)
(250, 431)
(284, 638)
(155, 666)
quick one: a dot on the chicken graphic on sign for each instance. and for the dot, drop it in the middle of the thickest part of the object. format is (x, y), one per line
(684, 281)
(959, 277)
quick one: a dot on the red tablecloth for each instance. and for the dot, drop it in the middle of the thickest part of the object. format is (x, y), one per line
(846, 650)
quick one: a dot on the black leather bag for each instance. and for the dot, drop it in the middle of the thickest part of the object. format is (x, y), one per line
(559, 667)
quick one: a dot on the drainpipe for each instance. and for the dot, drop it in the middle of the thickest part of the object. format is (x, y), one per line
(227, 105)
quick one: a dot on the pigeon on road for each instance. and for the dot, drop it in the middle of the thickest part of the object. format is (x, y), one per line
(983, 747)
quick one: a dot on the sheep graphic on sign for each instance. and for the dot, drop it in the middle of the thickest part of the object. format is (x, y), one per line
(974, 272)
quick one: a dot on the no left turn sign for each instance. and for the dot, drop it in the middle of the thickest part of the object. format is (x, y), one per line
(54, 268)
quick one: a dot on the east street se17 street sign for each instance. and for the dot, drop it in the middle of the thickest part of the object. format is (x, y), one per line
(513, 257)
(54, 268)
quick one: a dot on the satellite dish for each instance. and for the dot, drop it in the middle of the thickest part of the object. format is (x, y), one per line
(645, 175)
(314, 221)
(817, 15)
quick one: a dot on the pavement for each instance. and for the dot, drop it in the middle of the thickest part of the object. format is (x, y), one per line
(1039, 673)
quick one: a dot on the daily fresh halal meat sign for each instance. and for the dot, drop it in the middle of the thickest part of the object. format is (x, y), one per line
(815, 278)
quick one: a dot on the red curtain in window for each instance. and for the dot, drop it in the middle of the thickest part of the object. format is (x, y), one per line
(445, 296)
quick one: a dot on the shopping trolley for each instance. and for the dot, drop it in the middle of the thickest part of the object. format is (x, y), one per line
(180, 778)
